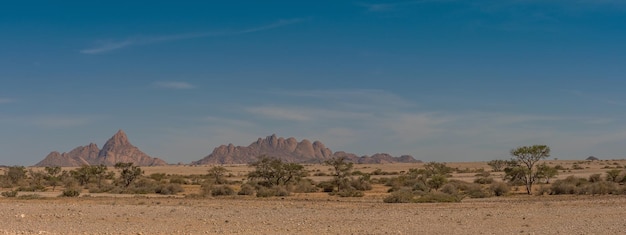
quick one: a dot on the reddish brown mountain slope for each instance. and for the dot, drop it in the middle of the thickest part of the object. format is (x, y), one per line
(116, 149)
(289, 150)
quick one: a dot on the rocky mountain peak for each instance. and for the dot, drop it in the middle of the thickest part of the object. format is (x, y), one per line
(116, 149)
(119, 139)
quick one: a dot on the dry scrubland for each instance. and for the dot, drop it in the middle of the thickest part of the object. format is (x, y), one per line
(320, 213)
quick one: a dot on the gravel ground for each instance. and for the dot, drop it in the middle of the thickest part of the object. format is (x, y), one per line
(291, 215)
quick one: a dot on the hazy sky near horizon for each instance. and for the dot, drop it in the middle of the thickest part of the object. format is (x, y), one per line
(442, 80)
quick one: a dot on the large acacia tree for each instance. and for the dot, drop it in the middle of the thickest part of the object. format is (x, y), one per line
(272, 171)
(527, 157)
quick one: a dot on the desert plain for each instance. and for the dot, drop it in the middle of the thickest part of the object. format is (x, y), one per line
(319, 213)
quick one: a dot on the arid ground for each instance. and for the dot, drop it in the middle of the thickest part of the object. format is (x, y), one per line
(317, 213)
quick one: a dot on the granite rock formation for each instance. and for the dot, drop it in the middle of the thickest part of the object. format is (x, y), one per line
(289, 150)
(116, 149)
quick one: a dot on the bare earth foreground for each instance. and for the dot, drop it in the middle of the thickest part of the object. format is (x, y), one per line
(295, 215)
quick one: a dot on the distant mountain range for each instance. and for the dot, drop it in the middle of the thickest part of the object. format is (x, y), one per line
(119, 149)
(289, 150)
(116, 149)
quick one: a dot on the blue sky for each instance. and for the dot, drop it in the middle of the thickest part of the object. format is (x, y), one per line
(442, 80)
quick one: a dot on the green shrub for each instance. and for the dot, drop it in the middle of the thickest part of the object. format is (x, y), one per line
(12, 193)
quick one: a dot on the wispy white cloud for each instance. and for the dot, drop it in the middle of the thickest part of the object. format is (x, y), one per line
(592, 97)
(6, 100)
(174, 85)
(103, 46)
(363, 99)
(277, 24)
(55, 122)
(425, 133)
(279, 113)
(392, 6)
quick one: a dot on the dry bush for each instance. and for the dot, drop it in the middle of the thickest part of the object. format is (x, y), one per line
(177, 179)
(246, 189)
(70, 192)
(483, 180)
(499, 188)
(350, 192)
(222, 190)
(326, 186)
(569, 185)
(157, 176)
(101, 189)
(12, 193)
(276, 191)
(475, 191)
(599, 188)
(362, 183)
(29, 196)
(437, 197)
(168, 189)
(32, 188)
(595, 178)
(305, 186)
(450, 188)
(400, 196)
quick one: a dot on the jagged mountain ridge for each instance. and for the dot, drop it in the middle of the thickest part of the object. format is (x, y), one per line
(116, 149)
(289, 150)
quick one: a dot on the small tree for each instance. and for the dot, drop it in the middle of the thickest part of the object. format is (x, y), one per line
(342, 170)
(497, 165)
(15, 174)
(528, 156)
(613, 175)
(52, 175)
(128, 172)
(546, 172)
(218, 173)
(100, 173)
(83, 174)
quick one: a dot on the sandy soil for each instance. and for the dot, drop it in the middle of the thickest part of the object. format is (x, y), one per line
(298, 215)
